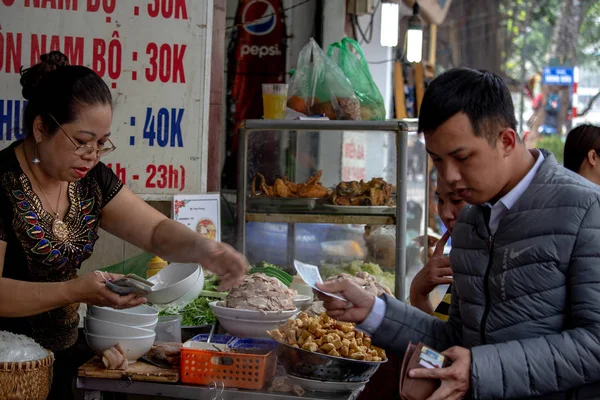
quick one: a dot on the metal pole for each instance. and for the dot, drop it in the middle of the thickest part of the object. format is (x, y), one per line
(426, 224)
(291, 245)
(523, 81)
(292, 172)
(401, 170)
(242, 190)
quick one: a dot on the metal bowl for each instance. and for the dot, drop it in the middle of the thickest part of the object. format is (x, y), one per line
(317, 366)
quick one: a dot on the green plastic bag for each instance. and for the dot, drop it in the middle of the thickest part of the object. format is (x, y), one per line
(320, 87)
(356, 69)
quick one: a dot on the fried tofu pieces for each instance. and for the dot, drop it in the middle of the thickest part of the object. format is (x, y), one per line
(322, 334)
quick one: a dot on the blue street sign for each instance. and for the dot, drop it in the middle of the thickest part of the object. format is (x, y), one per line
(558, 76)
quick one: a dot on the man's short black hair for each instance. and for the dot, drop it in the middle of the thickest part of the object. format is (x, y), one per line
(481, 95)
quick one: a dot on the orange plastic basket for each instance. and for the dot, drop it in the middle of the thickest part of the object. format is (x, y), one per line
(243, 371)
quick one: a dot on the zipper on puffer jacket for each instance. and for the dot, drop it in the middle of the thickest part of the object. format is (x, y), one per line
(486, 287)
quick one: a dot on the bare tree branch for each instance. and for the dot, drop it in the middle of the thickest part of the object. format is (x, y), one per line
(589, 105)
(535, 64)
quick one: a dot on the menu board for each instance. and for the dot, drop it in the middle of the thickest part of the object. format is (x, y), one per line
(154, 55)
(201, 213)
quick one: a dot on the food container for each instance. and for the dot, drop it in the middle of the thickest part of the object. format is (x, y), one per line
(140, 316)
(303, 302)
(134, 347)
(154, 266)
(28, 380)
(189, 332)
(301, 287)
(100, 327)
(249, 323)
(342, 250)
(234, 369)
(168, 329)
(323, 367)
(235, 313)
(173, 282)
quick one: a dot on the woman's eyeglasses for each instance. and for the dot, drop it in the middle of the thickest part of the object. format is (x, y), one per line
(86, 149)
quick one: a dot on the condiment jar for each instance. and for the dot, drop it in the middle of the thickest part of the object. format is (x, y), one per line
(155, 265)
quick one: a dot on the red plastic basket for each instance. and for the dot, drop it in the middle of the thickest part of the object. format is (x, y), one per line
(244, 371)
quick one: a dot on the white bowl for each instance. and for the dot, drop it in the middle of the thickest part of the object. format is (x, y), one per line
(136, 316)
(302, 301)
(248, 327)
(194, 291)
(172, 282)
(99, 327)
(233, 313)
(134, 347)
(149, 327)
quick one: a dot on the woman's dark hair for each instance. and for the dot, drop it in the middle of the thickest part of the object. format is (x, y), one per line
(579, 142)
(55, 87)
(481, 95)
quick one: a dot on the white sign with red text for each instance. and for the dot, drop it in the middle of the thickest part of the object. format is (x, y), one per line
(155, 57)
(354, 156)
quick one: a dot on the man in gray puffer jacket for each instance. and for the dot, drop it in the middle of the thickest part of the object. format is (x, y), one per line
(525, 315)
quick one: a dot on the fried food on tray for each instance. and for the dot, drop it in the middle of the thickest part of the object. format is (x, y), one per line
(376, 192)
(325, 335)
(283, 188)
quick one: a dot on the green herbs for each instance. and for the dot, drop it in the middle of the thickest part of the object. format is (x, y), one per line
(273, 271)
(197, 312)
(211, 282)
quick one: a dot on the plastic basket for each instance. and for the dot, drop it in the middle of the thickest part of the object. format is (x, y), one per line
(243, 371)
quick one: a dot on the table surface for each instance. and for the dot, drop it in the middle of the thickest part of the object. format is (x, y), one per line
(183, 391)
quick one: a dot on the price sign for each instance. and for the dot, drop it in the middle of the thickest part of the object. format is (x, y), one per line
(155, 57)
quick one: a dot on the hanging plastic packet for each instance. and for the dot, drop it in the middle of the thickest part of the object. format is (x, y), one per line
(319, 87)
(353, 63)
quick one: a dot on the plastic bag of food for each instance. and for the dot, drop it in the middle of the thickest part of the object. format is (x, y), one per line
(320, 87)
(354, 65)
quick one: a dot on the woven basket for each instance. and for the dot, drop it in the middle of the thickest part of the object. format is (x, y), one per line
(29, 380)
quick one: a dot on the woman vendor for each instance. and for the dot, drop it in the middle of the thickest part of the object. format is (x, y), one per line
(55, 194)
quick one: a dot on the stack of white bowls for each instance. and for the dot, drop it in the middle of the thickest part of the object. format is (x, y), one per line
(176, 283)
(249, 323)
(132, 329)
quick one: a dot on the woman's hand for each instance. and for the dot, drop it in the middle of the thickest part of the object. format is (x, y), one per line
(224, 261)
(91, 289)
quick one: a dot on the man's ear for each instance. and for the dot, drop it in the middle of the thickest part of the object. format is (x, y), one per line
(592, 158)
(508, 141)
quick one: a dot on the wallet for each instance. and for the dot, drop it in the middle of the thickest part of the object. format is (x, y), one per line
(419, 356)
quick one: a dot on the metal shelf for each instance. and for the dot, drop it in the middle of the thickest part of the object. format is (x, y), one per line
(399, 128)
(183, 391)
(321, 218)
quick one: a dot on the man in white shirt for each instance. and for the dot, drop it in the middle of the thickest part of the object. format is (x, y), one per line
(524, 294)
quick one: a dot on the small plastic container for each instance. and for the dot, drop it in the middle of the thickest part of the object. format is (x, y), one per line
(301, 287)
(238, 370)
(154, 266)
(168, 329)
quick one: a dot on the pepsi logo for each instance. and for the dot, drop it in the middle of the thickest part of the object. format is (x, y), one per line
(259, 18)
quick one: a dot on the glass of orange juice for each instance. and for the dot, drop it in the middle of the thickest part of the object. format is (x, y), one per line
(274, 100)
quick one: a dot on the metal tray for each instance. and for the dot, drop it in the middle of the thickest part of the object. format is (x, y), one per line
(326, 386)
(316, 366)
(360, 210)
(281, 204)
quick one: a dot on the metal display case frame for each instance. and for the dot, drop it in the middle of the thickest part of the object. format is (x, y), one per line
(401, 129)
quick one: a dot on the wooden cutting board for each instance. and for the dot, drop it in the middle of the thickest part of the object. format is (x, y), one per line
(140, 371)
